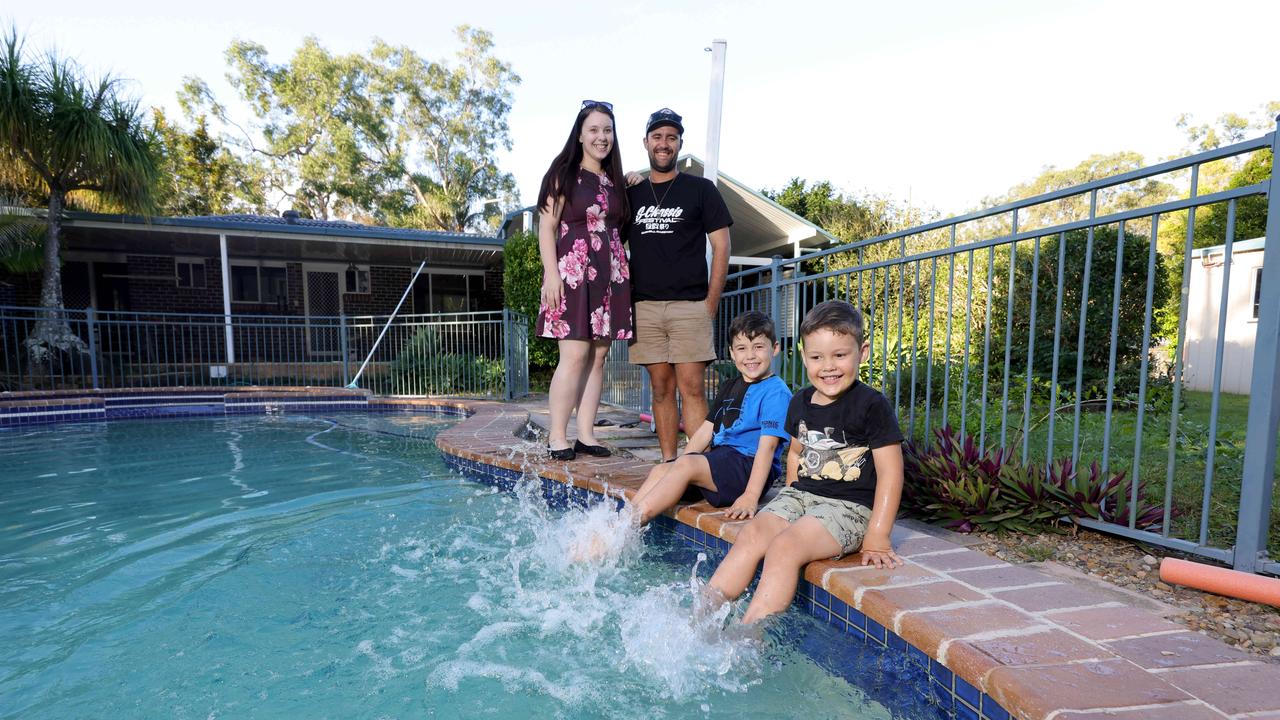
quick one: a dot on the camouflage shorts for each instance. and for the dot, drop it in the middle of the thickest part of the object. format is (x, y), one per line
(846, 521)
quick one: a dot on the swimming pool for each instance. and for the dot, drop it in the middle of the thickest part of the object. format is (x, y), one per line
(335, 567)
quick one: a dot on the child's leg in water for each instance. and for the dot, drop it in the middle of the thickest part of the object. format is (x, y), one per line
(803, 542)
(738, 568)
(599, 537)
(668, 482)
(663, 488)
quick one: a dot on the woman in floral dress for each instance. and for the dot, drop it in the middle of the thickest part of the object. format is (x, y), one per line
(586, 285)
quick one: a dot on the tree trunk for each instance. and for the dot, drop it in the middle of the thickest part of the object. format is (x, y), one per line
(52, 330)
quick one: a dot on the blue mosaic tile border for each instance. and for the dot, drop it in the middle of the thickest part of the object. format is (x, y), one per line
(949, 693)
(312, 403)
(180, 403)
(28, 415)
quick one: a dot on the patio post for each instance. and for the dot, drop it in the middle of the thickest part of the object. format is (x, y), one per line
(1264, 397)
(775, 267)
(226, 297)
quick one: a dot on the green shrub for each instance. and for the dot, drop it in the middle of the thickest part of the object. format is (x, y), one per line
(522, 290)
(421, 368)
(1097, 345)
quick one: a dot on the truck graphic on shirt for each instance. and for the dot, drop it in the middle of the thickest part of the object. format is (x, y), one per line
(825, 458)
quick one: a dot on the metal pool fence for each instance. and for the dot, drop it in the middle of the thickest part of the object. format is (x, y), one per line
(474, 354)
(1061, 327)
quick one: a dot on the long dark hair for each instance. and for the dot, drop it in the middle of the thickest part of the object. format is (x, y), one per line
(563, 172)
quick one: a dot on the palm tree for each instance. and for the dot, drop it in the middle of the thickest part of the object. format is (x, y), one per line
(62, 133)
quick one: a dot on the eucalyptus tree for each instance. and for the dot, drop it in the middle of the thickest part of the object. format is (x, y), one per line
(450, 121)
(200, 176)
(384, 137)
(63, 134)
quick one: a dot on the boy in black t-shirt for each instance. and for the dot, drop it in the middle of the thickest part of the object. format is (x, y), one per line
(844, 472)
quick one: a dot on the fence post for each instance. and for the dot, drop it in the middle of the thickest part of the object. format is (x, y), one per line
(508, 357)
(91, 331)
(1264, 400)
(775, 266)
(342, 340)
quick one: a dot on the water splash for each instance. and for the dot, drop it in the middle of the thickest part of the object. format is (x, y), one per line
(590, 618)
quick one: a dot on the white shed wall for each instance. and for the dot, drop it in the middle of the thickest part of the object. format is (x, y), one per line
(1205, 293)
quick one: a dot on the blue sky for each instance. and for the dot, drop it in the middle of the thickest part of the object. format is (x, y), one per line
(941, 103)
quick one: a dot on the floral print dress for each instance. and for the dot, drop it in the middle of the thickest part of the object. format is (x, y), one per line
(596, 304)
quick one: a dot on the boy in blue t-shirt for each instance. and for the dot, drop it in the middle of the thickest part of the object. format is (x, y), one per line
(844, 473)
(737, 451)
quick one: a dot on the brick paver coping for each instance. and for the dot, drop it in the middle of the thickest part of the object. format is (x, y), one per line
(1041, 648)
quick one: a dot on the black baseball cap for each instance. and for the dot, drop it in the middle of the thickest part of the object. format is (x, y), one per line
(665, 116)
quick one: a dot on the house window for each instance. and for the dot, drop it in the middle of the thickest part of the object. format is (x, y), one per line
(1257, 291)
(275, 286)
(190, 274)
(266, 285)
(449, 293)
(357, 279)
(244, 283)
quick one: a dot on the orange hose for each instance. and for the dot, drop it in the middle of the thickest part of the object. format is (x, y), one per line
(1231, 583)
(646, 417)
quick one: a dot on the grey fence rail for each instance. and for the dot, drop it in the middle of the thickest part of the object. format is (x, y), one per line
(475, 354)
(1057, 327)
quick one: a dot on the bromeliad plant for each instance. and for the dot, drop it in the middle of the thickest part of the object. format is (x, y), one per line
(959, 486)
(1100, 498)
(964, 488)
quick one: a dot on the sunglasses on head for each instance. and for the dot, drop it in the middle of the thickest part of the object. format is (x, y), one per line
(587, 104)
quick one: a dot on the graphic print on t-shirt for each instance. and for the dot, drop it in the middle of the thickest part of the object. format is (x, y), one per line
(726, 416)
(827, 458)
(657, 220)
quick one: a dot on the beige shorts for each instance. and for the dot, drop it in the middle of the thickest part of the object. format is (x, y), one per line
(672, 331)
(846, 521)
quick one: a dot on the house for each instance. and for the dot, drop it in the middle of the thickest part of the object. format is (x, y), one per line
(1244, 291)
(261, 265)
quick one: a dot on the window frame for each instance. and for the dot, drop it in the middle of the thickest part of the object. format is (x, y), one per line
(362, 280)
(257, 281)
(190, 264)
(1255, 292)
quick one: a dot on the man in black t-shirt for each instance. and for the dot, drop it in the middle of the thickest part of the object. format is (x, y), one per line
(674, 216)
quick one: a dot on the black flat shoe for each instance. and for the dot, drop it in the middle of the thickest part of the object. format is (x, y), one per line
(565, 454)
(592, 450)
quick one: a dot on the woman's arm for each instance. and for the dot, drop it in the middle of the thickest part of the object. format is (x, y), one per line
(548, 227)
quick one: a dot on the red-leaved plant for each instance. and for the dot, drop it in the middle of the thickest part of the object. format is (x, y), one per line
(965, 488)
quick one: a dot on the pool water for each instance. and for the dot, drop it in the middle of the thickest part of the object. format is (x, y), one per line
(313, 567)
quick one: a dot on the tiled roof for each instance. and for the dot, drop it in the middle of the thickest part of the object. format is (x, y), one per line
(305, 226)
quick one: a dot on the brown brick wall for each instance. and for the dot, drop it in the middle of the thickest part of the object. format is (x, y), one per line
(386, 285)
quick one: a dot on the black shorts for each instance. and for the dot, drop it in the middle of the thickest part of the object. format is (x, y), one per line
(730, 471)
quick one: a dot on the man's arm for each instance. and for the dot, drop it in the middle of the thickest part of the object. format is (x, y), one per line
(719, 268)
